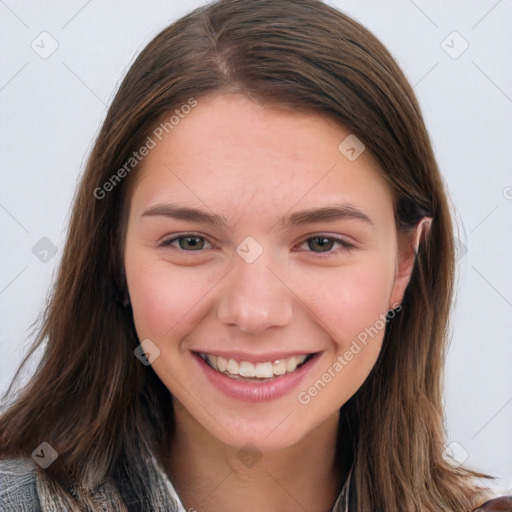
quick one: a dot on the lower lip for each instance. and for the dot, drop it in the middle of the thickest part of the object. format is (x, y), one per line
(254, 391)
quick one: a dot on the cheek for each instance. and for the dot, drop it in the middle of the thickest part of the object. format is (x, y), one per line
(353, 298)
(163, 298)
(351, 305)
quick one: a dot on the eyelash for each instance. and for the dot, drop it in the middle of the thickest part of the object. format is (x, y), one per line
(345, 245)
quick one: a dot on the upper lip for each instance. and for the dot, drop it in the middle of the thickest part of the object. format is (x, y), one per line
(254, 358)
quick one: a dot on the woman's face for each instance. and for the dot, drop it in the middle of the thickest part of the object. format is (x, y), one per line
(255, 244)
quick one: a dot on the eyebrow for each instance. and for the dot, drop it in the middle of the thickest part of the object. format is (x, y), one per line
(308, 216)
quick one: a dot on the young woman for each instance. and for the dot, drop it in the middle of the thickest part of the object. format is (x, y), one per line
(252, 303)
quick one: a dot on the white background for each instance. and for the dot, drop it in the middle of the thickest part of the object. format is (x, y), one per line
(52, 108)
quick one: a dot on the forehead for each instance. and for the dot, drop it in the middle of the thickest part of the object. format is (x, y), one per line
(231, 152)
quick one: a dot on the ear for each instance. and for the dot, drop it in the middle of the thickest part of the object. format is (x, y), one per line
(408, 245)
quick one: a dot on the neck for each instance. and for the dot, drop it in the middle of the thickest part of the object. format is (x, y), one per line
(210, 476)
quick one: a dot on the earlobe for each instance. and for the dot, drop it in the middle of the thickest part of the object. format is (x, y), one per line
(408, 250)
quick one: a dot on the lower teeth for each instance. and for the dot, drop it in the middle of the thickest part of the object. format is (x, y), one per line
(249, 379)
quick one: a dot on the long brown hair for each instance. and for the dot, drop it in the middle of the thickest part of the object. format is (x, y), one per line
(107, 408)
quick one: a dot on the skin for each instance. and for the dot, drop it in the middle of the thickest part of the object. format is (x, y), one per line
(255, 165)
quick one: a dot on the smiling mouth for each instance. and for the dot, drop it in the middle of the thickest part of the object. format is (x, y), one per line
(255, 372)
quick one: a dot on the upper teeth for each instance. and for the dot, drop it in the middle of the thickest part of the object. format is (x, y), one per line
(247, 369)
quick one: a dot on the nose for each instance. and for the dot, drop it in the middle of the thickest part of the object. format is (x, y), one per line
(254, 297)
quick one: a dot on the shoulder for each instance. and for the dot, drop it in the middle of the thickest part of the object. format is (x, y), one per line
(501, 504)
(18, 491)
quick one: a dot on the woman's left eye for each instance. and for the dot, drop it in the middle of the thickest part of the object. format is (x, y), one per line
(326, 243)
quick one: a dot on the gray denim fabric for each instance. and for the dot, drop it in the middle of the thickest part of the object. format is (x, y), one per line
(21, 490)
(18, 491)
